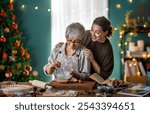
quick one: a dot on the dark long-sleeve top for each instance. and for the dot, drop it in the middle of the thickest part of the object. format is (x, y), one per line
(103, 55)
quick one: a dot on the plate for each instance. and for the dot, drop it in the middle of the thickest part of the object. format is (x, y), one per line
(17, 90)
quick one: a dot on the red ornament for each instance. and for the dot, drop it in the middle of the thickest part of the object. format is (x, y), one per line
(11, 6)
(2, 39)
(17, 43)
(25, 73)
(13, 17)
(27, 56)
(8, 74)
(29, 68)
(2, 13)
(22, 51)
(14, 26)
(4, 56)
(6, 30)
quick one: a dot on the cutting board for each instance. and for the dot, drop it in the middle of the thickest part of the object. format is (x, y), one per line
(84, 85)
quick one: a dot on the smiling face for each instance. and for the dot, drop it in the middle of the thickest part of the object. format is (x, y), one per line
(97, 33)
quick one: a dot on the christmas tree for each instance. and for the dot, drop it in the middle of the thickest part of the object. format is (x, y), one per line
(14, 57)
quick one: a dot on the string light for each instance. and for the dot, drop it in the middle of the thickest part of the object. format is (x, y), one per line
(115, 28)
(36, 8)
(148, 55)
(138, 73)
(144, 26)
(118, 6)
(22, 6)
(121, 52)
(133, 59)
(11, 1)
(120, 36)
(130, 65)
(131, 33)
(125, 43)
(49, 10)
(144, 56)
(107, 9)
(130, 1)
(124, 25)
(119, 44)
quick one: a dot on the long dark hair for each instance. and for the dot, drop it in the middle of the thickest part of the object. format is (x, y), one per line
(105, 24)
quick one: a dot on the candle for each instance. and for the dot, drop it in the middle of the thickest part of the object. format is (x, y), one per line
(140, 44)
(131, 45)
(134, 49)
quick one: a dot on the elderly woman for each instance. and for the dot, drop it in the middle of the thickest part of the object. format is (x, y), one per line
(68, 61)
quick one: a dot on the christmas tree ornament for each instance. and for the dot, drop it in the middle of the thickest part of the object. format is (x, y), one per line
(14, 26)
(4, 56)
(6, 30)
(2, 67)
(22, 51)
(35, 73)
(27, 55)
(29, 68)
(25, 72)
(11, 6)
(17, 43)
(2, 13)
(13, 17)
(19, 65)
(12, 58)
(14, 52)
(8, 74)
(2, 39)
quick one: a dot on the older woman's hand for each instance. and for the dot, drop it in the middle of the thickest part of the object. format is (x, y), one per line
(55, 64)
(59, 45)
(50, 69)
(75, 75)
(89, 55)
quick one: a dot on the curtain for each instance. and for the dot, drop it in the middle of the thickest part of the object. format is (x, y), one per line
(64, 12)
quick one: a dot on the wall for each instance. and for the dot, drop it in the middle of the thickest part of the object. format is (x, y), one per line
(117, 17)
(35, 25)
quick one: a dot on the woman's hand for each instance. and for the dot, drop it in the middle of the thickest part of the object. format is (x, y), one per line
(58, 45)
(74, 74)
(89, 55)
(55, 64)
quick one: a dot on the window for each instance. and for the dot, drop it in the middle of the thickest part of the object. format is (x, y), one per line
(64, 12)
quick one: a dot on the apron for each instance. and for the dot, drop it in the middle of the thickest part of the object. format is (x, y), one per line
(68, 63)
